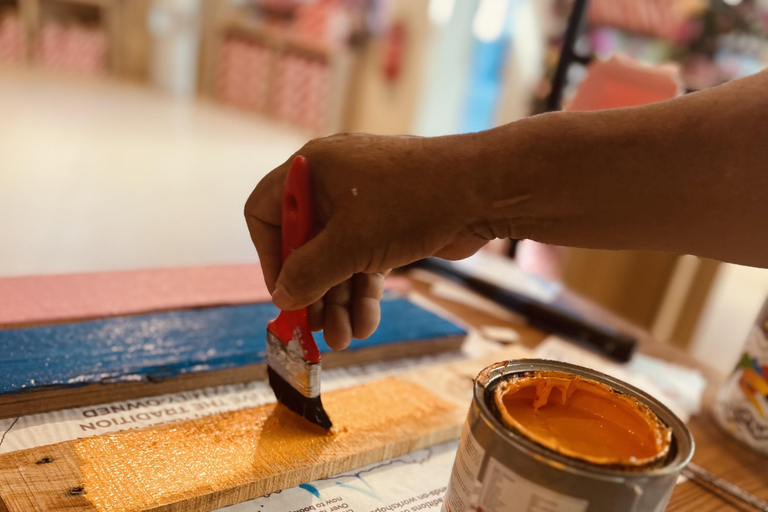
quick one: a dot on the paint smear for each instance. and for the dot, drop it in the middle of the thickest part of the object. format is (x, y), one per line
(137, 470)
(311, 489)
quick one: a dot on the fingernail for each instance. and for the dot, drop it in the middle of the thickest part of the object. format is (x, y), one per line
(282, 299)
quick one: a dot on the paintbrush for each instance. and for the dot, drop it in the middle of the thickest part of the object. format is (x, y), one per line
(293, 359)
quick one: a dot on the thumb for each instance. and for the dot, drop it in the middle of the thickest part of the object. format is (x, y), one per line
(313, 269)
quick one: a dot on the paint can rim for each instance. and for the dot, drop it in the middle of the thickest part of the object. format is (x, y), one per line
(682, 440)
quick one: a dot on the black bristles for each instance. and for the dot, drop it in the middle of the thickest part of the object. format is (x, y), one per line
(309, 408)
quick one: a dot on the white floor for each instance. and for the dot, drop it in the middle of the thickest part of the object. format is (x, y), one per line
(97, 175)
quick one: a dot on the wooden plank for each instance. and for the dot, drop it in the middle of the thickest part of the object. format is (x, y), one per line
(45, 400)
(53, 367)
(223, 459)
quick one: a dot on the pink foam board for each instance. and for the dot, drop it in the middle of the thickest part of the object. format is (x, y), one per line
(72, 296)
(623, 82)
(52, 298)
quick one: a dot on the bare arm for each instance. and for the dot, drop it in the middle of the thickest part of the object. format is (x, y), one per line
(689, 175)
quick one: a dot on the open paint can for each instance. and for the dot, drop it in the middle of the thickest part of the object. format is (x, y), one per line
(545, 435)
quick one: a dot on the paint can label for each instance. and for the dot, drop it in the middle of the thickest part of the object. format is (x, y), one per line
(742, 403)
(501, 489)
(464, 487)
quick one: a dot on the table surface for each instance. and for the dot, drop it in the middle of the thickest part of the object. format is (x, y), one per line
(715, 451)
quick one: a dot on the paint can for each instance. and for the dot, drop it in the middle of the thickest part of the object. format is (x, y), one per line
(741, 409)
(499, 470)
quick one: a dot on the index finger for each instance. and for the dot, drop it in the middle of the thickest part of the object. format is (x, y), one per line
(263, 214)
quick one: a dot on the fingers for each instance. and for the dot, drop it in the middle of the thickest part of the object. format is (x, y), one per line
(461, 249)
(367, 290)
(315, 314)
(268, 242)
(337, 327)
(312, 270)
(263, 213)
(360, 297)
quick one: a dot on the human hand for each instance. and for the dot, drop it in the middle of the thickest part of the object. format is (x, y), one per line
(380, 202)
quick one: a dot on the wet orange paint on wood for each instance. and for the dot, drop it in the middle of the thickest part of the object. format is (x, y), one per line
(137, 470)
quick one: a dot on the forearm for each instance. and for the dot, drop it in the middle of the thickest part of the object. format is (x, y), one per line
(688, 175)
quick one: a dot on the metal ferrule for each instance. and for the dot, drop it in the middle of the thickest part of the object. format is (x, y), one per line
(304, 377)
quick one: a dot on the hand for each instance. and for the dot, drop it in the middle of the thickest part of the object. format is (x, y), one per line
(380, 202)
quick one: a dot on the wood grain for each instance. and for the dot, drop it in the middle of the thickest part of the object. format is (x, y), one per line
(43, 400)
(223, 459)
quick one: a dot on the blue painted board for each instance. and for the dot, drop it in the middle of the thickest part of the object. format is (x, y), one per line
(161, 345)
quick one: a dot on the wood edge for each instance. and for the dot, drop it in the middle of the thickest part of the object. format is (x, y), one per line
(136, 312)
(62, 472)
(253, 490)
(47, 400)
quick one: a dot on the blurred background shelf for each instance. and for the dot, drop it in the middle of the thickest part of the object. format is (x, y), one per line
(293, 64)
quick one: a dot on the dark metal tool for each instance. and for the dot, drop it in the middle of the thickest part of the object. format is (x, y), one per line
(547, 317)
(708, 480)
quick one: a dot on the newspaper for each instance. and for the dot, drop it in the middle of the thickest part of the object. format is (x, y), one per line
(412, 483)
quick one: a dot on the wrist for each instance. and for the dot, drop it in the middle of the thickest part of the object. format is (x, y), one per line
(501, 180)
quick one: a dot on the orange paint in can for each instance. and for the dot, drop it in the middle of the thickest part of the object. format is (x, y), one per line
(566, 438)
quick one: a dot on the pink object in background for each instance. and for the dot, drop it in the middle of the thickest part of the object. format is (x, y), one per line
(539, 259)
(52, 298)
(322, 22)
(13, 43)
(623, 82)
(301, 91)
(244, 73)
(669, 19)
(73, 296)
(72, 48)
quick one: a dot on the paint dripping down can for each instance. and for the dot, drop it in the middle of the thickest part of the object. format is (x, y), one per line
(512, 467)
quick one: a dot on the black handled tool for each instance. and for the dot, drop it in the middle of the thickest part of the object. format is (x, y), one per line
(547, 317)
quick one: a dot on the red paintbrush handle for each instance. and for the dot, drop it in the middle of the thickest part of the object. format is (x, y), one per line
(298, 222)
(298, 211)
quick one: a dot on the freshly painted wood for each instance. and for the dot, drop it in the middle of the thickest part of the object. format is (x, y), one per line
(219, 460)
(52, 367)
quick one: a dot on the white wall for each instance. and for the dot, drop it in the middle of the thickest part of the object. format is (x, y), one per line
(442, 96)
(733, 304)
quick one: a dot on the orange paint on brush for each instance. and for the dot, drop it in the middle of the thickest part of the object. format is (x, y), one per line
(583, 419)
